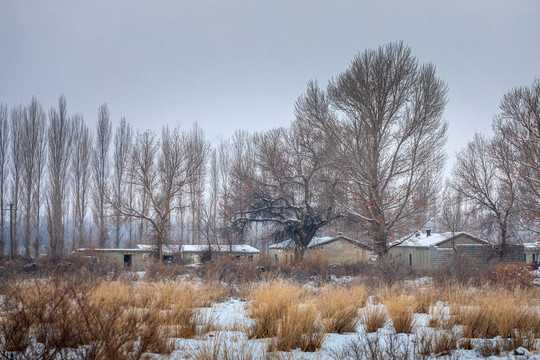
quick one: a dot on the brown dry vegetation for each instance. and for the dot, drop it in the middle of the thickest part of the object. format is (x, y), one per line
(116, 317)
(98, 319)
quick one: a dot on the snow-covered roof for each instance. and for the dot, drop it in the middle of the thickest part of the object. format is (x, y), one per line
(171, 249)
(532, 245)
(422, 239)
(316, 241)
(110, 250)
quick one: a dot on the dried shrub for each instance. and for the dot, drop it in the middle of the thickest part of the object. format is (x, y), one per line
(423, 300)
(400, 310)
(441, 319)
(157, 271)
(488, 347)
(268, 302)
(511, 275)
(375, 347)
(339, 308)
(436, 342)
(63, 313)
(373, 317)
(218, 348)
(298, 328)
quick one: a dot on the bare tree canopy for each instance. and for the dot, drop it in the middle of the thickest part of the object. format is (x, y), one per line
(59, 138)
(4, 159)
(285, 177)
(122, 148)
(519, 125)
(100, 168)
(32, 147)
(485, 176)
(16, 117)
(80, 179)
(161, 170)
(389, 138)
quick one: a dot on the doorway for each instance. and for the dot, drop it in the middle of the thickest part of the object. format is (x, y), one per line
(127, 261)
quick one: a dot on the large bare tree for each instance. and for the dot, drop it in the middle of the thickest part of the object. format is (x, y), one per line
(122, 148)
(4, 161)
(286, 178)
(485, 176)
(519, 125)
(389, 138)
(80, 179)
(32, 155)
(101, 169)
(161, 171)
(59, 136)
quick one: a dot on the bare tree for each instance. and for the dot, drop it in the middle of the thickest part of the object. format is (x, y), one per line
(453, 216)
(32, 147)
(210, 226)
(286, 180)
(59, 138)
(161, 170)
(4, 148)
(196, 193)
(100, 168)
(131, 198)
(484, 175)
(16, 118)
(519, 125)
(80, 179)
(389, 137)
(41, 160)
(122, 148)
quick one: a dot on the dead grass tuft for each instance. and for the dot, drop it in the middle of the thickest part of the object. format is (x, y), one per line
(268, 303)
(339, 308)
(401, 311)
(299, 328)
(374, 317)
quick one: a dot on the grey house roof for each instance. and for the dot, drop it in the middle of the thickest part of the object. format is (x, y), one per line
(316, 241)
(422, 239)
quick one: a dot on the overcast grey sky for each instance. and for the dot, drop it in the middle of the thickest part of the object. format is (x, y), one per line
(242, 64)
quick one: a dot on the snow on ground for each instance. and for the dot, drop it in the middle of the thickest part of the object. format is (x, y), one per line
(232, 320)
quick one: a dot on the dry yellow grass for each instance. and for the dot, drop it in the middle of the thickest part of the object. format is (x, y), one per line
(401, 311)
(441, 319)
(373, 317)
(424, 299)
(299, 328)
(499, 311)
(339, 306)
(268, 302)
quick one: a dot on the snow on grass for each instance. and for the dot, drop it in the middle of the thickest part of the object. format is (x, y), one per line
(230, 341)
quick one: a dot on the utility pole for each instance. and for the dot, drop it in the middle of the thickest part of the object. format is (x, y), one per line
(11, 209)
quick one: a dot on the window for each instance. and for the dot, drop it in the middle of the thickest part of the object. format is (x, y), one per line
(410, 259)
(127, 261)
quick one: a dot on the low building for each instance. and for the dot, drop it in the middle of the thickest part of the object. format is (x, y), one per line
(532, 254)
(425, 250)
(337, 249)
(138, 259)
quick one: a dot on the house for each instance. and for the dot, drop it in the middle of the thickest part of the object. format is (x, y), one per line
(427, 250)
(139, 258)
(532, 254)
(336, 249)
(422, 251)
(192, 254)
